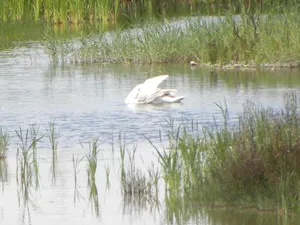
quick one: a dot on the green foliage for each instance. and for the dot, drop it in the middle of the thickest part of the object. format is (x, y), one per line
(135, 183)
(245, 40)
(75, 11)
(253, 163)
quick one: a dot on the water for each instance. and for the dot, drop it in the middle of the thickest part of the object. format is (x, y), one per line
(87, 101)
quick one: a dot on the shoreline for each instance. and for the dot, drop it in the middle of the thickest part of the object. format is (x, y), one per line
(242, 66)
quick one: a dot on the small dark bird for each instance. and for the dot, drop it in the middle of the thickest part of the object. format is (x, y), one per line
(193, 63)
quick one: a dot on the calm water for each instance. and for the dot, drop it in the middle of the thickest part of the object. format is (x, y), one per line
(88, 101)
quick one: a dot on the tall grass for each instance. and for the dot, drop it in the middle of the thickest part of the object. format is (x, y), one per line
(245, 40)
(75, 11)
(253, 163)
(69, 11)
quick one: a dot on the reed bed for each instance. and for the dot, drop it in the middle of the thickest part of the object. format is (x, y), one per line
(70, 11)
(75, 11)
(256, 39)
(254, 163)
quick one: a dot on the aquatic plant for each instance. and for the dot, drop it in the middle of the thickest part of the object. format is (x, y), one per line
(3, 143)
(76, 12)
(92, 162)
(136, 183)
(3, 173)
(76, 161)
(34, 138)
(107, 173)
(27, 165)
(242, 40)
(3, 148)
(253, 162)
(53, 138)
(139, 186)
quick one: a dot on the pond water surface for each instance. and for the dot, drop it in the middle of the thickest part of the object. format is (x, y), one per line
(87, 101)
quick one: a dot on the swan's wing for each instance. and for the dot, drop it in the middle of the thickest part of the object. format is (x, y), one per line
(149, 87)
(155, 81)
(168, 99)
(133, 96)
(160, 94)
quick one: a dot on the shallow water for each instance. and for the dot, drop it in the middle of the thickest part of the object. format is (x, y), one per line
(88, 101)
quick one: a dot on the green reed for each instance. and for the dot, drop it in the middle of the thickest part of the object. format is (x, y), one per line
(3, 143)
(76, 161)
(257, 39)
(53, 135)
(27, 164)
(3, 173)
(136, 183)
(75, 11)
(4, 138)
(34, 139)
(69, 11)
(92, 162)
(253, 162)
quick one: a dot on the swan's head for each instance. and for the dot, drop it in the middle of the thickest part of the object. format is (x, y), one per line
(132, 96)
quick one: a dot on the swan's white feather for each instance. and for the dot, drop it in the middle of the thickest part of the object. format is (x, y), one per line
(148, 92)
(149, 87)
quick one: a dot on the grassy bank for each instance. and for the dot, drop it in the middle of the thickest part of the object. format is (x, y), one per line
(246, 40)
(253, 164)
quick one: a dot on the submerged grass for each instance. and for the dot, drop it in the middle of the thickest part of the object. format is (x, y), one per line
(76, 161)
(27, 163)
(3, 144)
(136, 183)
(92, 162)
(139, 187)
(246, 39)
(3, 163)
(53, 138)
(252, 164)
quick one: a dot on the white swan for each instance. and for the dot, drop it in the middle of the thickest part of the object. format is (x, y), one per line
(149, 93)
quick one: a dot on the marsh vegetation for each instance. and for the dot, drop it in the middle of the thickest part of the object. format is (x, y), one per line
(103, 11)
(251, 162)
(245, 40)
(240, 33)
